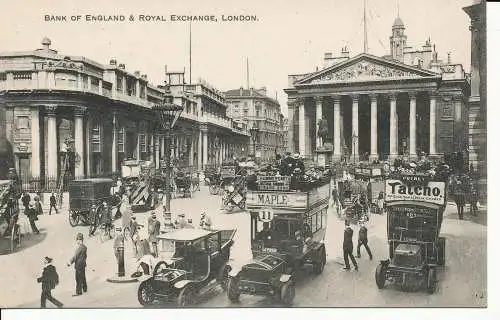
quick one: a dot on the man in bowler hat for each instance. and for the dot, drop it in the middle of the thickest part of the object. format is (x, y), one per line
(348, 247)
(80, 261)
(49, 280)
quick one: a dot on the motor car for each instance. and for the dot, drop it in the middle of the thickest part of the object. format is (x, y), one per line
(189, 260)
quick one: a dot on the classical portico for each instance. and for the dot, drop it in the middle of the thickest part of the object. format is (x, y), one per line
(376, 108)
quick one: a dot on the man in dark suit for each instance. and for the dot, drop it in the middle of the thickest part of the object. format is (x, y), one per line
(363, 240)
(32, 217)
(52, 203)
(26, 200)
(154, 232)
(80, 261)
(348, 247)
(49, 280)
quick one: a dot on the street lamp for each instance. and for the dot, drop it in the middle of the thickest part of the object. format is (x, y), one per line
(354, 141)
(167, 113)
(254, 131)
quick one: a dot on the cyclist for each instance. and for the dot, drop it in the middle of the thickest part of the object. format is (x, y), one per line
(106, 218)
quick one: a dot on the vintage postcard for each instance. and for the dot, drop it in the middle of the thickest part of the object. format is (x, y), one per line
(243, 154)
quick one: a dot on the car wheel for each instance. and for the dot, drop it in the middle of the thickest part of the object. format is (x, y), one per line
(145, 294)
(233, 293)
(380, 276)
(320, 264)
(431, 281)
(287, 293)
(223, 275)
(73, 218)
(186, 297)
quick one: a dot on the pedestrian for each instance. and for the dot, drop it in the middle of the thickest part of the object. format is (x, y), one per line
(107, 219)
(32, 217)
(189, 224)
(459, 196)
(348, 247)
(380, 202)
(335, 198)
(49, 280)
(205, 221)
(363, 240)
(79, 259)
(473, 199)
(134, 232)
(154, 232)
(146, 263)
(52, 203)
(26, 201)
(38, 205)
(181, 223)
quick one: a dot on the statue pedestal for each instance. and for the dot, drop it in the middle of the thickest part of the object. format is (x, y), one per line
(323, 155)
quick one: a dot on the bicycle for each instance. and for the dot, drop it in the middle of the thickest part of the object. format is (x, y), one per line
(106, 231)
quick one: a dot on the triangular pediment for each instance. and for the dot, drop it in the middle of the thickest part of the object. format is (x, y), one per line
(366, 67)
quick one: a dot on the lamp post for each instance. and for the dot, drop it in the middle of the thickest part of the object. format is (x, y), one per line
(354, 141)
(254, 131)
(167, 113)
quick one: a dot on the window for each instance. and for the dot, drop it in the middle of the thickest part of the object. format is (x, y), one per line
(245, 113)
(199, 245)
(22, 122)
(119, 84)
(22, 75)
(3, 77)
(121, 140)
(96, 137)
(143, 143)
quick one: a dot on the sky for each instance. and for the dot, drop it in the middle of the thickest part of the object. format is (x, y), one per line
(289, 37)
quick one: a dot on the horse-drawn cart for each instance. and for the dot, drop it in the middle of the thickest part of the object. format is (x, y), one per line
(10, 229)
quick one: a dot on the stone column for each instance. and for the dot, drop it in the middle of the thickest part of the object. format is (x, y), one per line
(200, 150)
(355, 128)
(393, 131)
(319, 116)
(460, 146)
(291, 113)
(205, 148)
(302, 127)
(79, 113)
(36, 134)
(138, 144)
(157, 151)
(373, 128)
(413, 125)
(88, 158)
(191, 150)
(162, 143)
(52, 158)
(432, 124)
(337, 150)
(151, 147)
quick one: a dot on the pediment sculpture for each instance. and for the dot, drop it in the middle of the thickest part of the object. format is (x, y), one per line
(365, 70)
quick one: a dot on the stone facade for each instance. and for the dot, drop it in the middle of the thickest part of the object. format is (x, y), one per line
(46, 97)
(407, 102)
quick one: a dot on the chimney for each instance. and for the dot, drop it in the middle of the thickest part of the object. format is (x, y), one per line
(137, 74)
(145, 77)
(344, 53)
(328, 55)
(112, 62)
(449, 57)
(241, 91)
(121, 66)
(251, 91)
(46, 44)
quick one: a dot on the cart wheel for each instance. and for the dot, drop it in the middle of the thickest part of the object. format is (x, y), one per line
(233, 293)
(287, 293)
(380, 276)
(213, 189)
(241, 205)
(320, 264)
(441, 254)
(223, 275)
(15, 238)
(431, 281)
(145, 294)
(186, 297)
(74, 218)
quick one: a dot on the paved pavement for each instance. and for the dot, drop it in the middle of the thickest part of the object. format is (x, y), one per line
(462, 282)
